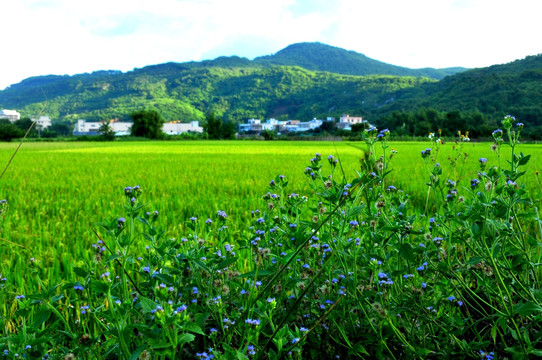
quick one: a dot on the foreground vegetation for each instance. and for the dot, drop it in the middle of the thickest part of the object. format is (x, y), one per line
(405, 255)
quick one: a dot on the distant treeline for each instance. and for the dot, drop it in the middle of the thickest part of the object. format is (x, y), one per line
(425, 120)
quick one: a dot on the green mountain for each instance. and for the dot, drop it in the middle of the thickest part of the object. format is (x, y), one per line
(187, 91)
(321, 57)
(514, 88)
(301, 81)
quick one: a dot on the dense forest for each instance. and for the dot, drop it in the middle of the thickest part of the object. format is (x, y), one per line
(302, 81)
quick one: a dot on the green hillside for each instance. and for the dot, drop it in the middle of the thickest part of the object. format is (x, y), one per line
(514, 88)
(301, 81)
(188, 92)
(321, 57)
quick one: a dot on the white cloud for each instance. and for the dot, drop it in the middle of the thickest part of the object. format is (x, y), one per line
(66, 36)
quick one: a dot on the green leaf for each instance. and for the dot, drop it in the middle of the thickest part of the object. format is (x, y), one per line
(357, 349)
(527, 308)
(80, 272)
(99, 286)
(356, 211)
(112, 257)
(193, 328)
(254, 273)
(523, 159)
(41, 317)
(406, 252)
(226, 263)
(185, 338)
(475, 260)
(494, 333)
(147, 304)
(241, 356)
(137, 352)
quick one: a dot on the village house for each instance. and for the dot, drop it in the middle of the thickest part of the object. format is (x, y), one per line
(43, 122)
(346, 121)
(122, 128)
(11, 115)
(177, 127)
(255, 126)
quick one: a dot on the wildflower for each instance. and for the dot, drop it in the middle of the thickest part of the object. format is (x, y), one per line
(222, 214)
(250, 350)
(193, 218)
(392, 188)
(83, 309)
(487, 356)
(78, 287)
(425, 153)
(303, 329)
(474, 183)
(354, 223)
(295, 340)
(451, 298)
(147, 269)
(19, 297)
(424, 285)
(437, 240)
(121, 222)
(254, 322)
(208, 221)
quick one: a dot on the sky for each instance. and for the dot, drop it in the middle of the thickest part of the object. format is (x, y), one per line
(41, 37)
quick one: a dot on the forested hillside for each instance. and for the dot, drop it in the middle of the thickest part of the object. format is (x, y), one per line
(301, 81)
(476, 98)
(188, 92)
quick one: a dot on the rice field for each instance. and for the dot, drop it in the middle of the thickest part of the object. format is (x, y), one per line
(343, 272)
(57, 191)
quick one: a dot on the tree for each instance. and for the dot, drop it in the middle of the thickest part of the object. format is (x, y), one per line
(106, 131)
(57, 129)
(216, 128)
(8, 131)
(24, 124)
(326, 127)
(147, 123)
(227, 130)
(213, 125)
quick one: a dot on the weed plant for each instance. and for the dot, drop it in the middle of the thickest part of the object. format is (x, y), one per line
(351, 269)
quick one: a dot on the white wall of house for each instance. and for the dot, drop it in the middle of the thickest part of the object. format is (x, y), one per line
(351, 119)
(11, 115)
(123, 127)
(177, 127)
(43, 122)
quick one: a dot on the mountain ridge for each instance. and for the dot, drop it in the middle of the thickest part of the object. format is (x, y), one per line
(280, 85)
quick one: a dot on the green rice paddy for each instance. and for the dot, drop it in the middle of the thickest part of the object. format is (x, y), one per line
(57, 191)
